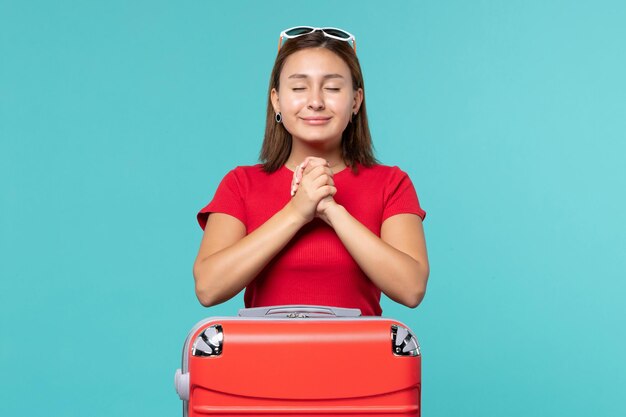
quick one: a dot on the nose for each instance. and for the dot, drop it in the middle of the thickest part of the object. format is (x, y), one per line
(316, 101)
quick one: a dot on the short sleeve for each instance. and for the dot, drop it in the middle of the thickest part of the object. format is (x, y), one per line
(400, 196)
(228, 199)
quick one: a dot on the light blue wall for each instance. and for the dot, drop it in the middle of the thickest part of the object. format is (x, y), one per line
(119, 118)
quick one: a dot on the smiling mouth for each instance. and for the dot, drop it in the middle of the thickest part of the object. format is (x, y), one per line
(316, 120)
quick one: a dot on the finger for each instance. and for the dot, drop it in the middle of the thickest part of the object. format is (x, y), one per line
(327, 172)
(319, 170)
(329, 179)
(315, 162)
(307, 162)
(297, 175)
(325, 191)
(299, 172)
(294, 187)
(294, 182)
(322, 180)
(296, 179)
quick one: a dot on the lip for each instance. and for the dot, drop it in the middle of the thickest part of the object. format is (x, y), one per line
(317, 120)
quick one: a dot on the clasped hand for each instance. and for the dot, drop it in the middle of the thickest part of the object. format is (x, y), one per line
(313, 188)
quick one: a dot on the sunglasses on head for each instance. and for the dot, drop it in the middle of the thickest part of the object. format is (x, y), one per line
(333, 33)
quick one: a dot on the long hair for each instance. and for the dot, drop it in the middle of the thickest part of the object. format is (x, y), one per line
(356, 140)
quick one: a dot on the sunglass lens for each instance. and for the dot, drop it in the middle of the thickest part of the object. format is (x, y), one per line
(338, 33)
(298, 31)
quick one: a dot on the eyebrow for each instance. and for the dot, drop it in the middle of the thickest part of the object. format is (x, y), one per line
(325, 76)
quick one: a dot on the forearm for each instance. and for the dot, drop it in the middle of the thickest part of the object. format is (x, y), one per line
(222, 275)
(398, 275)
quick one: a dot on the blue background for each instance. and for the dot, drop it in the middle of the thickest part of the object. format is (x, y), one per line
(119, 118)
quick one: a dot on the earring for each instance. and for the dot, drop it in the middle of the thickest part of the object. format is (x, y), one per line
(279, 117)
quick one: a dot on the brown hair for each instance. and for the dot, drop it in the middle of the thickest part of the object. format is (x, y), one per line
(356, 140)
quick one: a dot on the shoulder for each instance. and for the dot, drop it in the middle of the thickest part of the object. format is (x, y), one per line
(247, 170)
(238, 178)
(381, 173)
(246, 173)
(253, 177)
(253, 171)
(398, 192)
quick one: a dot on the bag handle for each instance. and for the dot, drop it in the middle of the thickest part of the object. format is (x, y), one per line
(299, 311)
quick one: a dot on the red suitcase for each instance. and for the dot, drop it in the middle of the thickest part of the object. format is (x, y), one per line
(300, 361)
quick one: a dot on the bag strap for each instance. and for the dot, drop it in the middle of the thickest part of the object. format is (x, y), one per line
(299, 311)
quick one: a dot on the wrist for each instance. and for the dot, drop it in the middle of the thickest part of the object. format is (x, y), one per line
(294, 215)
(332, 212)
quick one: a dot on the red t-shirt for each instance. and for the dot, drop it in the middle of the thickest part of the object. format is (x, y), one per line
(314, 267)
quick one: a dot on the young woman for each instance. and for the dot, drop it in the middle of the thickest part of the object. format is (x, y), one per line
(319, 221)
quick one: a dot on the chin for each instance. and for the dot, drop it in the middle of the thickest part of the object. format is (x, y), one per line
(318, 138)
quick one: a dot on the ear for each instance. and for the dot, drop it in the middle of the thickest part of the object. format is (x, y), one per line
(358, 99)
(274, 98)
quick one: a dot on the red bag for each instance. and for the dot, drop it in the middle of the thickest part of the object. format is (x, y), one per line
(300, 361)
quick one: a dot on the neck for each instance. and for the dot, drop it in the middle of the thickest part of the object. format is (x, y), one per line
(333, 156)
